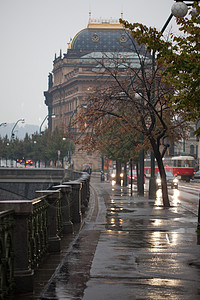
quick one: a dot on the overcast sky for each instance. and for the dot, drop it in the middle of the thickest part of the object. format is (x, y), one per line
(32, 31)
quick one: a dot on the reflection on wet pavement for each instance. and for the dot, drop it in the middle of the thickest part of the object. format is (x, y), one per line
(145, 251)
(133, 249)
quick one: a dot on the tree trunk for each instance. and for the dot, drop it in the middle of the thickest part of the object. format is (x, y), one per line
(161, 168)
(140, 178)
(138, 175)
(125, 175)
(163, 180)
(118, 171)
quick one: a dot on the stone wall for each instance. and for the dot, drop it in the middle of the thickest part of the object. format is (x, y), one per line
(21, 184)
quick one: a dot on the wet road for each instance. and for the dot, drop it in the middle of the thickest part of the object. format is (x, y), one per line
(187, 195)
(130, 248)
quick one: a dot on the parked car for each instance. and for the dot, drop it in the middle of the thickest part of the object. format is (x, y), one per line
(134, 176)
(172, 181)
(197, 175)
(113, 174)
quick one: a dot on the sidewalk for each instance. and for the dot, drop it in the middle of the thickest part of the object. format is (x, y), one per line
(130, 248)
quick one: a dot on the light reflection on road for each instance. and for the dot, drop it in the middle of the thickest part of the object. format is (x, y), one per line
(187, 195)
(175, 197)
(159, 200)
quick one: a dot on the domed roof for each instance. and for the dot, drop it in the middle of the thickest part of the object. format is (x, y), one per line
(104, 37)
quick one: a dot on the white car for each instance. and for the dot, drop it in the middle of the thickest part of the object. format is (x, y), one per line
(172, 181)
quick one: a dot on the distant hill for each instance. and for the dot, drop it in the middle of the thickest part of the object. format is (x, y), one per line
(20, 131)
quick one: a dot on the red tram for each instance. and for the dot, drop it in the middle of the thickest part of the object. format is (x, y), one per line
(181, 166)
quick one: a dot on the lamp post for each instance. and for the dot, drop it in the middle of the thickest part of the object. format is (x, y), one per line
(12, 132)
(48, 116)
(13, 135)
(2, 124)
(178, 9)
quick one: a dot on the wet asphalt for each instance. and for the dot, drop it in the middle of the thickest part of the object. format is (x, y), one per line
(129, 247)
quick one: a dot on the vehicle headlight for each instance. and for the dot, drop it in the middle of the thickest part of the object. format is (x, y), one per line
(121, 175)
(158, 180)
(113, 175)
(175, 180)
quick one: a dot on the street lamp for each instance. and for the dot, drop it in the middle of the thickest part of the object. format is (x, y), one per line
(13, 135)
(179, 9)
(12, 132)
(51, 116)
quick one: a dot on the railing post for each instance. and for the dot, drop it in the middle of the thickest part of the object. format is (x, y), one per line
(7, 253)
(76, 200)
(53, 198)
(23, 274)
(66, 194)
(84, 202)
(84, 179)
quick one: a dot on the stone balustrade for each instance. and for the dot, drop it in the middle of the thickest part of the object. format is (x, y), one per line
(38, 226)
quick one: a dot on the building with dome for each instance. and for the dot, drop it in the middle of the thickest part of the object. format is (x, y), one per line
(77, 71)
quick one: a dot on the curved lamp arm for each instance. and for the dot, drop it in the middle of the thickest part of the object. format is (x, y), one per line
(12, 132)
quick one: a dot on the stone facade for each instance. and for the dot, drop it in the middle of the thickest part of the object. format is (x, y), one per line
(189, 145)
(76, 72)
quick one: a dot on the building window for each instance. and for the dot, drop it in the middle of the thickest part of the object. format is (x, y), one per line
(191, 132)
(191, 149)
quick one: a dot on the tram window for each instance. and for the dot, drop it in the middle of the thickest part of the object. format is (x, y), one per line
(179, 163)
(188, 163)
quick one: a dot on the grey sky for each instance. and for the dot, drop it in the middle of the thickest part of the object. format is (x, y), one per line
(33, 31)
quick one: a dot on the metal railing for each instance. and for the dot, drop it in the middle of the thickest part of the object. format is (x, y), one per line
(35, 227)
(37, 232)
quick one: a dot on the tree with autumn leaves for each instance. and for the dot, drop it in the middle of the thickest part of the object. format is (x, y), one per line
(131, 106)
(182, 66)
(180, 58)
(149, 96)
